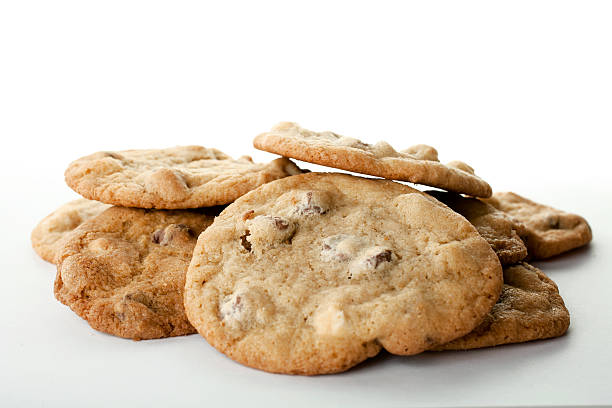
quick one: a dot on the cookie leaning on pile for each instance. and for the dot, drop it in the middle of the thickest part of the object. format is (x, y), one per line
(418, 164)
(305, 273)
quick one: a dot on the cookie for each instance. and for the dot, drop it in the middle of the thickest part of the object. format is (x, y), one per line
(174, 178)
(47, 235)
(529, 308)
(417, 164)
(124, 270)
(549, 231)
(500, 230)
(315, 273)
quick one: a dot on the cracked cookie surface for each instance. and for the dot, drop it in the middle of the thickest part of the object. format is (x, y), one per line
(174, 178)
(47, 236)
(529, 308)
(500, 230)
(549, 232)
(123, 271)
(355, 265)
(417, 164)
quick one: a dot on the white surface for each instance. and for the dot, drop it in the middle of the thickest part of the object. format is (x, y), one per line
(519, 90)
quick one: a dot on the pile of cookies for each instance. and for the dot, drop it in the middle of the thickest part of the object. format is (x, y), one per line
(297, 272)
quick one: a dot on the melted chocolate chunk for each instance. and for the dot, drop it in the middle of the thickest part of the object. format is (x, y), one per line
(554, 222)
(165, 235)
(307, 207)
(158, 236)
(280, 223)
(384, 256)
(244, 242)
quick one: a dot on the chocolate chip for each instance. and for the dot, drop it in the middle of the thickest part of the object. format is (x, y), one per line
(158, 236)
(266, 231)
(311, 208)
(165, 235)
(280, 223)
(244, 242)
(554, 222)
(369, 261)
(308, 207)
(384, 256)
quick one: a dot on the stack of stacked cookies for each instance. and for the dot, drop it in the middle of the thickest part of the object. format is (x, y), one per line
(122, 252)
(305, 273)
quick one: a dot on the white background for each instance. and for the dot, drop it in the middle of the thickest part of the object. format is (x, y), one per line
(522, 91)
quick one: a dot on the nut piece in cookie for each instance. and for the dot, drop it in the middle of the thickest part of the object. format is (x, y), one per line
(501, 230)
(383, 266)
(173, 178)
(548, 231)
(529, 308)
(123, 271)
(417, 164)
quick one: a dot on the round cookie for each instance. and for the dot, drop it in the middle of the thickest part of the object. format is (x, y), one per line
(548, 231)
(529, 308)
(417, 164)
(500, 230)
(46, 237)
(174, 178)
(314, 273)
(124, 270)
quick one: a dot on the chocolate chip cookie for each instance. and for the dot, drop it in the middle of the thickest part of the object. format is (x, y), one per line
(314, 273)
(46, 237)
(417, 164)
(500, 230)
(124, 270)
(549, 231)
(174, 178)
(529, 308)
